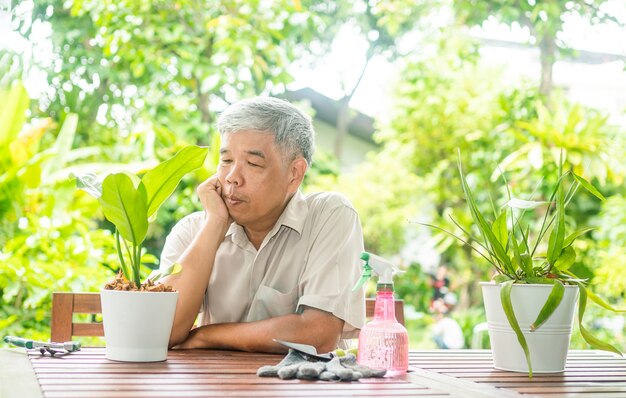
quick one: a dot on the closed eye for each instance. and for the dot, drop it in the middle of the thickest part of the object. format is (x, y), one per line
(254, 164)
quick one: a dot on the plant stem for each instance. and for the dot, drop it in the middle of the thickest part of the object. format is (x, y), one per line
(120, 255)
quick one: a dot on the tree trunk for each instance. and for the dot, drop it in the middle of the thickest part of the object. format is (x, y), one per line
(547, 47)
(343, 119)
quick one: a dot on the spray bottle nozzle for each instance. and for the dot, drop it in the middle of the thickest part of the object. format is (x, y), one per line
(381, 267)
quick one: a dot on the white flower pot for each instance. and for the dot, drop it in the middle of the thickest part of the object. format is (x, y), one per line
(137, 325)
(548, 345)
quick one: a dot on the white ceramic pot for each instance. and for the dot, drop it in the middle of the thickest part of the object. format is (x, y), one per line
(137, 325)
(548, 345)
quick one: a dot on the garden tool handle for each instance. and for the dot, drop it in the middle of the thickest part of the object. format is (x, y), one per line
(69, 346)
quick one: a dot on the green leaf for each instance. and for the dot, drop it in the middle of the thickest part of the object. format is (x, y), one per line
(484, 228)
(593, 341)
(13, 105)
(571, 238)
(161, 181)
(500, 230)
(215, 150)
(89, 183)
(63, 144)
(539, 280)
(587, 185)
(602, 303)
(557, 236)
(120, 256)
(507, 306)
(125, 206)
(527, 264)
(566, 259)
(171, 270)
(551, 304)
(501, 278)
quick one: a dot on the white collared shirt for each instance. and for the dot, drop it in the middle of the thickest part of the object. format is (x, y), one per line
(310, 258)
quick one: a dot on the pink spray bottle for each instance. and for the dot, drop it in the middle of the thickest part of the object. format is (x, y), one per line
(383, 342)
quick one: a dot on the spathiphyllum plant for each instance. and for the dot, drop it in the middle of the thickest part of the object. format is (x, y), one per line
(518, 258)
(130, 202)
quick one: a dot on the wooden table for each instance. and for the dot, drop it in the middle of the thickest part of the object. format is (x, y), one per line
(434, 373)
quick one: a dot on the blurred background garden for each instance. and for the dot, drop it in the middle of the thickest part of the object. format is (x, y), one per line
(397, 89)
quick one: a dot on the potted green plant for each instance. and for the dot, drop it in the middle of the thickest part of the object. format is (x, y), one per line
(531, 300)
(138, 317)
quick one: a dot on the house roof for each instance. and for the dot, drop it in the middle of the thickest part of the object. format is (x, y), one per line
(327, 109)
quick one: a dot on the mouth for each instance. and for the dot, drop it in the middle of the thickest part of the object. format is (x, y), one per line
(233, 200)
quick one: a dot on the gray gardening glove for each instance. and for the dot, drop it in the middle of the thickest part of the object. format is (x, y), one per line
(291, 362)
(296, 365)
(346, 369)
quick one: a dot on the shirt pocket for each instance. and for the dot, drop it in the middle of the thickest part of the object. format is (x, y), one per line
(269, 303)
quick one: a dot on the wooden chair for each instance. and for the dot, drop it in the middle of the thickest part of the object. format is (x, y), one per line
(370, 304)
(64, 306)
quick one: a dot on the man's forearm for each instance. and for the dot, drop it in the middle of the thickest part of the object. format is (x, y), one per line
(314, 327)
(191, 283)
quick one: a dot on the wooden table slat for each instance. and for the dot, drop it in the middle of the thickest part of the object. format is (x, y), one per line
(207, 373)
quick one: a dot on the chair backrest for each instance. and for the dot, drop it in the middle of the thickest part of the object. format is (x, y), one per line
(370, 304)
(64, 306)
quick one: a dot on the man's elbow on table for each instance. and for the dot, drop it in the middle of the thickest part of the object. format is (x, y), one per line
(321, 329)
(179, 334)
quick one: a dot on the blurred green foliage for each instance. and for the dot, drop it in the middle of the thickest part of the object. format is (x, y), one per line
(48, 241)
(128, 83)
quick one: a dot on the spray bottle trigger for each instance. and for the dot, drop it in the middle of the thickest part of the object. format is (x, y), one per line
(367, 273)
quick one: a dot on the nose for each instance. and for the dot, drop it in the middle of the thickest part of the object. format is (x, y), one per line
(234, 177)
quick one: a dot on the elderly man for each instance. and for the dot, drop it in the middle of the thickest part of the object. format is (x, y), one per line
(263, 261)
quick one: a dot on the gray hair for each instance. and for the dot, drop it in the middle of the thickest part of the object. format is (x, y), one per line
(292, 129)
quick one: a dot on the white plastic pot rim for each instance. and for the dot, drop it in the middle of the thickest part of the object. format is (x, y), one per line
(544, 329)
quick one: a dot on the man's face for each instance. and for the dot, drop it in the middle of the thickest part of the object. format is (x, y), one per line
(256, 181)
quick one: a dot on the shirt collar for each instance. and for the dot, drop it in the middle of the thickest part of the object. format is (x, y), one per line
(295, 213)
(293, 217)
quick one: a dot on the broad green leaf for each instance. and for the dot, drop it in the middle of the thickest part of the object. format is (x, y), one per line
(524, 204)
(507, 306)
(593, 341)
(161, 181)
(133, 177)
(571, 238)
(500, 230)
(587, 185)
(566, 259)
(602, 303)
(125, 206)
(13, 106)
(551, 304)
(215, 150)
(89, 183)
(171, 270)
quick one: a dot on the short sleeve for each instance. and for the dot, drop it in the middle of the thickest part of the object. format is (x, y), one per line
(179, 239)
(333, 265)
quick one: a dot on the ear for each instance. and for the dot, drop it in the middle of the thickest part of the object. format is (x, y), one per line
(297, 168)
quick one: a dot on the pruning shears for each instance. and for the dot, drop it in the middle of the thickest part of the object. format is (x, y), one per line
(44, 346)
